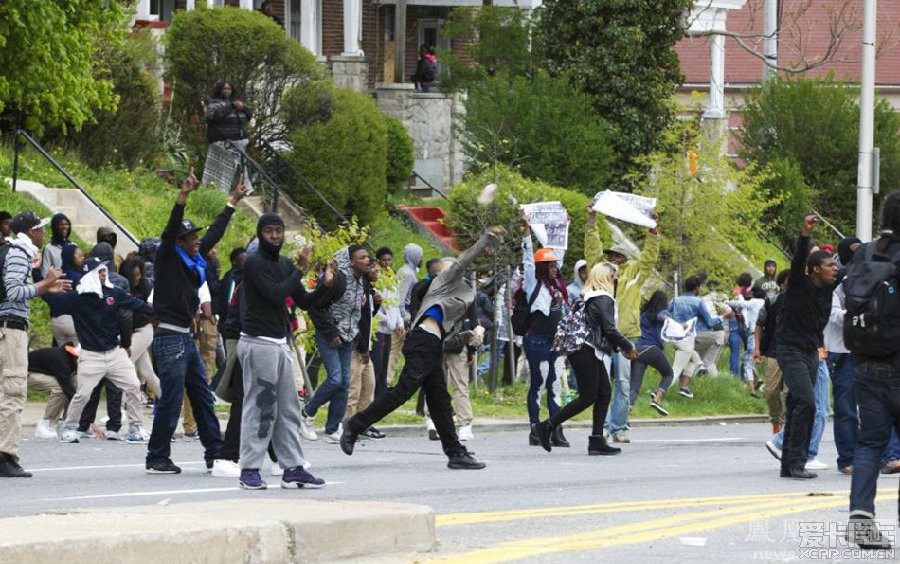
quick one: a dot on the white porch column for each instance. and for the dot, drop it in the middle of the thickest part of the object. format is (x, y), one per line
(716, 107)
(708, 18)
(142, 10)
(309, 31)
(247, 4)
(352, 16)
(190, 4)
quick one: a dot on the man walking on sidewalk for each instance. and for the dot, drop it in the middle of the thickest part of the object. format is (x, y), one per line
(179, 271)
(17, 290)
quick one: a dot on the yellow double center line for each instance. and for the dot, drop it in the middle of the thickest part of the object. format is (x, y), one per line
(742, 509)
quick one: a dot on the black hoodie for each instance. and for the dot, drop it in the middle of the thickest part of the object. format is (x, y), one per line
(269, 279)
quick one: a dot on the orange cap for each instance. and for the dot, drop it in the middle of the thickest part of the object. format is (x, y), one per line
(545, 255)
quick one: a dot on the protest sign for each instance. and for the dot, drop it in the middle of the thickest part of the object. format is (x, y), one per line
(630, 208)
(549, 223)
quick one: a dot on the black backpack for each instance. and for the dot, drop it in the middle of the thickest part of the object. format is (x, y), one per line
(521, 315)
(429, 71)
(872, 302)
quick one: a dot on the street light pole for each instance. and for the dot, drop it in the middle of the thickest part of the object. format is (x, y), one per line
(866, 125)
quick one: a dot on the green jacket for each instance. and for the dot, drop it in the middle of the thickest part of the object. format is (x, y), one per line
(632, 276)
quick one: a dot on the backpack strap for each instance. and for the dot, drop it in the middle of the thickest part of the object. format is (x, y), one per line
(534, 294)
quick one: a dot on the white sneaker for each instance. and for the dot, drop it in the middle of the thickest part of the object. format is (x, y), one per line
(307, 427)
(277, 470)
(773, 450)
(334, 438)
(43, 430)
(69, 436)
(225, 469)
(465, 433)
(814, 464)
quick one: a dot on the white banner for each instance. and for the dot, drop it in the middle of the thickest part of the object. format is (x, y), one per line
(549, 223)
(630, 208)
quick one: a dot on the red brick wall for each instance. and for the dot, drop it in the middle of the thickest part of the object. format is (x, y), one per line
(807, 34)
(333, 27)
(371, 33)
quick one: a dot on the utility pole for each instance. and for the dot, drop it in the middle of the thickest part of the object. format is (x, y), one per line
(770, 29)
(866, 125)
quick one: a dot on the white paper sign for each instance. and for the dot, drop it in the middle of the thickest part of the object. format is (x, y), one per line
(549, 223)
(626, 207)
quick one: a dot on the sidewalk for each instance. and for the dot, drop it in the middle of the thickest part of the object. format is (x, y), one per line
(248, 530)
(34, 410)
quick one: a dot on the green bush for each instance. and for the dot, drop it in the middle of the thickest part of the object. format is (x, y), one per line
(543, 126)
(815, 124)
(127, 136)
(244, 47)
(344, 157)
(469, 219)
(400, 157)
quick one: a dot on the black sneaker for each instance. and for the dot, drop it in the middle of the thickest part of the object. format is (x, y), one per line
(658, 407)
(685, 392)
(299, 478)
(348, 440)
(463, 460)
(802, 474)
(9, 468)
(863, 532)
(372, 433)
(164, 466)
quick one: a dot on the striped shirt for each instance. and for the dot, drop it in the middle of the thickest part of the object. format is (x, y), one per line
(19, 287)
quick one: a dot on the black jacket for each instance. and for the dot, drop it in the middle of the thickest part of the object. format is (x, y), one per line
(55, 362)
(267, 284)
(175, 285)
(600, 318)
(223, 122)
(806, 306)
(97, 320)
(364, 339)
(892, 248)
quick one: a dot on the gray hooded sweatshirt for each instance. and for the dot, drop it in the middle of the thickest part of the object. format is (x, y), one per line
(408, 274)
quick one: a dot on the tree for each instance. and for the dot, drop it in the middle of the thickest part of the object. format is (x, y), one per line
(815, 124)
(516, 114)
(206, 46)
(344, 156)
(709, 219)
(543, 127)
(47, 55)
(492, 38)
(620, 52)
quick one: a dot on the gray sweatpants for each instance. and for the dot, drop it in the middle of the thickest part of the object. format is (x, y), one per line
(271, 407)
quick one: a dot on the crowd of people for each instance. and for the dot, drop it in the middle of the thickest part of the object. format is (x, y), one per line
(164, 325)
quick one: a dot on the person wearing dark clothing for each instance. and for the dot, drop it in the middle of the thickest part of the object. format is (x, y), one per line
(878, 397)
(95, 310)
(766, 346)
(62, 326)
(227, 118)
(651, 352)
(443, 308)
(591, 362)
(52, 370)
(270, 410)
(180, 271)
(426, 69)
(807, 305)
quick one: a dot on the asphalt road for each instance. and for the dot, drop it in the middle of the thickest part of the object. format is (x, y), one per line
(676, 494)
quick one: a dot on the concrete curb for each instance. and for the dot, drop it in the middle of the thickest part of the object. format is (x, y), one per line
(253, 531)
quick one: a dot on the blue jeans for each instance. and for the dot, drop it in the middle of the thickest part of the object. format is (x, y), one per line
(540, 357)
(333, 390)
(180, 369)
(892, 451)
(878, 396)
(846, 423)
(734, 348)
(820, 393)
(617, 418)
